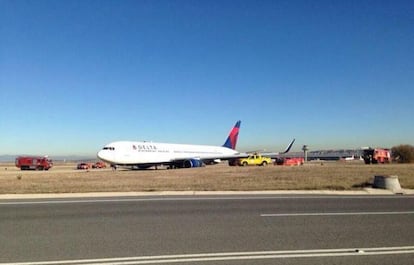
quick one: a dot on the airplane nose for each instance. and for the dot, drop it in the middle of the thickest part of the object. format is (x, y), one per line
(103, 155)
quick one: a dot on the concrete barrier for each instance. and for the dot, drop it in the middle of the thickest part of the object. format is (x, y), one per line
(389, 183)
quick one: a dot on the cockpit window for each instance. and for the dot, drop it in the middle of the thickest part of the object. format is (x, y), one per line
(109, 148)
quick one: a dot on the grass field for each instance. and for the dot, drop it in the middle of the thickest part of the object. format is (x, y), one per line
(64, 178)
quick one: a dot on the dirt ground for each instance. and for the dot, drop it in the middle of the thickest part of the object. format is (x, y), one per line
(65, 178)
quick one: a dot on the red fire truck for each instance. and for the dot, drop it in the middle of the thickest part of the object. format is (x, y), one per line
(33, 162)
(376, 156)
(290, 161)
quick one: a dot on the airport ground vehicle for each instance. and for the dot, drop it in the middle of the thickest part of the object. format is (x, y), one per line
(290, 161)
(34, 162)
(376, 156)
(83, 166)
(254, 160)
(99, 164)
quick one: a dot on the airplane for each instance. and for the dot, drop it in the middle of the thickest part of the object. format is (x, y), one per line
(145, 154)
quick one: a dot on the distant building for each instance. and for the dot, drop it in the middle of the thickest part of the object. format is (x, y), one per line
(329, 155)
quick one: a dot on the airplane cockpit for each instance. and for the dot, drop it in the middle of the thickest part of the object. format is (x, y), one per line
(109, 148)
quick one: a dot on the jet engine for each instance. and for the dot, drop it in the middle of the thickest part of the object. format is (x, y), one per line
(193, 163)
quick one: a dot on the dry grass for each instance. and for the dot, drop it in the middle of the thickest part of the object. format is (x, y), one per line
(314, 176)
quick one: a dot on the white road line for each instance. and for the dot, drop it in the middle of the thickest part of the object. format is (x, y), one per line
(192, 198)
(334, 214)
(232, 256)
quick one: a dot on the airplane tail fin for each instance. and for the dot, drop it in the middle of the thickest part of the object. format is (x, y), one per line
(232, 138)
(288, 147)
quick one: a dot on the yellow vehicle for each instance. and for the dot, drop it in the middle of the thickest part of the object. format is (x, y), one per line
(255, 160)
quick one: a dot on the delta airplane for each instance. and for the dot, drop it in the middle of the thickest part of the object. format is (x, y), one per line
(147, 154)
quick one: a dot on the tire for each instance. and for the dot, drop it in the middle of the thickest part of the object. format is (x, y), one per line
(244, 163)
(187, 164)
(264, 163)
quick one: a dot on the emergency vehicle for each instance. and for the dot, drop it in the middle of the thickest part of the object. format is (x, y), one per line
(33, 162)
(290, 161)
(376, 156)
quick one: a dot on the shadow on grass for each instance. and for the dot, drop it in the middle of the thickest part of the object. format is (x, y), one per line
(362, 185)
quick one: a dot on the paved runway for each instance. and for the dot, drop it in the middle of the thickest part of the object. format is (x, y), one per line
(267, 229)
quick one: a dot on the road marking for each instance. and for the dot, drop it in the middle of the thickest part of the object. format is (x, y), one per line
(190, 198)
(334, 214)
(284, 254)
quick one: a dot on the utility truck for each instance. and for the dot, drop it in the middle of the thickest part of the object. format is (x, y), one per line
(254, 160)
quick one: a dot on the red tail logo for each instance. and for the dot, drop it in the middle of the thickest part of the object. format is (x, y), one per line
(233, 136)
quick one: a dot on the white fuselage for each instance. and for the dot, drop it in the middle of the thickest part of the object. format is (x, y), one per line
(136, 153)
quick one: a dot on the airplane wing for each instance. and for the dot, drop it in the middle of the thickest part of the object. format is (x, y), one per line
(247, 154)
(201, 161)
(275, 155)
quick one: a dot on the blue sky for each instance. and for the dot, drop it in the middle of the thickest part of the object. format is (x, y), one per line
(75, 75)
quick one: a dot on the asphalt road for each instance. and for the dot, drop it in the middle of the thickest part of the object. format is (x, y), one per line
(267, 229)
